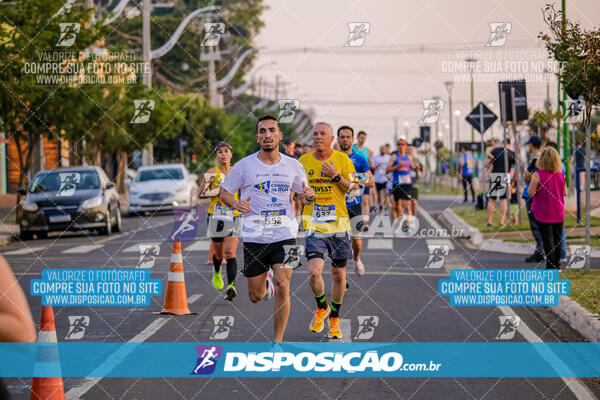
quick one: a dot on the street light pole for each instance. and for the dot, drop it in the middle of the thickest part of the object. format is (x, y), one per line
(449, 85)
(457, 113)
(471, 61)
(395, 118)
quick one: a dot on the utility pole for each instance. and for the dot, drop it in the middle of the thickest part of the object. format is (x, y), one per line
(211, 57)
(395, 119)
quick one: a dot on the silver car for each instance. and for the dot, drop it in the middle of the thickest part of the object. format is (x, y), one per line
(161, 187)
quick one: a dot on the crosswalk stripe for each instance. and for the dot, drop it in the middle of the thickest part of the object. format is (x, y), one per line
(376, 243)
(447, 242)
(24, 250)
(136, 247)
(199, 245)
(84, 248)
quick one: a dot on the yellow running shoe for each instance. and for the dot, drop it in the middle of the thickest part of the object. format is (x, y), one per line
(317, 322)
(334, 328)
(217, 280)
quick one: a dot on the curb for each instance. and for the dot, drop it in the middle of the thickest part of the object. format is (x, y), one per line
(495, 245)
(580, 319)
(469, 232)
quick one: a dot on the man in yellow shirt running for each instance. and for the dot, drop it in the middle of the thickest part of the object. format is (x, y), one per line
(327, 224)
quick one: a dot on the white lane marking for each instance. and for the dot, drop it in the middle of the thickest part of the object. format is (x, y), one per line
(136, 247)
(199, 245)
(114, 359)
(24, 250)
(434, 224)
(579, 389)
(376, 243)
(432, 242)
(84, 248)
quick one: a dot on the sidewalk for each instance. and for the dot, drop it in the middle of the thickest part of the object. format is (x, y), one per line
(8, 227)
(496, 241)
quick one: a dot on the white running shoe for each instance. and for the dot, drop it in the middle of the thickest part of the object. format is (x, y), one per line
(359, 268)
(270, 287)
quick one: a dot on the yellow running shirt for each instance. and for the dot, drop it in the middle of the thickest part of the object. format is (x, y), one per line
(328, 214)
(222, 210)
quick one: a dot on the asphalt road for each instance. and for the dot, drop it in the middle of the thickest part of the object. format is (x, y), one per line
(396, 288)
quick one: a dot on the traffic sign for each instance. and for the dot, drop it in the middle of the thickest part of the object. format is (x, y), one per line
(424, 133)
(520, 100)
(481, 117)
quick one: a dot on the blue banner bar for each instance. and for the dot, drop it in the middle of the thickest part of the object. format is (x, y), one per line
(310, 359)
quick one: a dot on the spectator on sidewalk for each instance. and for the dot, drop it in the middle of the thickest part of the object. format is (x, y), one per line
(547, 188)
(496, 165)
(466, 169)
(534, 145)
(563, 248)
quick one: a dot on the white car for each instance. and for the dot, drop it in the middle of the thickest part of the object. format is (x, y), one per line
(161, 187)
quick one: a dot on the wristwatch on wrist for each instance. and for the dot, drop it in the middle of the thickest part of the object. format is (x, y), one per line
(336, 178)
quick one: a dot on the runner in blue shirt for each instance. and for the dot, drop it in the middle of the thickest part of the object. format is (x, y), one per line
(466, 170)
(354, 200)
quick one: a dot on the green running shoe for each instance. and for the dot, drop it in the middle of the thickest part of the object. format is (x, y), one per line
(231, 292)
(217, 280)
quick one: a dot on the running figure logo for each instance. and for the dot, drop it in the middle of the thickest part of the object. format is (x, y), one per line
(498, 33)
(358, 33)
(579, 256)
(499, 182)
(207, 359)
(366, 326)
(213, 33)
(288, 110)
(575, 110)
(186, 223)
(508, 326)
(223, 324)
(68, 183)
(148, 254)
(292, 255)
(77, 325)
(431, 111)
(437, 255)
(143, 108)
(68, 33)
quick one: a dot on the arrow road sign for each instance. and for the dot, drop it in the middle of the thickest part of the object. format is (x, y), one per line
(481, 117)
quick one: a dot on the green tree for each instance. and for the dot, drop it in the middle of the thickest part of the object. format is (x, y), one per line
(30, 108)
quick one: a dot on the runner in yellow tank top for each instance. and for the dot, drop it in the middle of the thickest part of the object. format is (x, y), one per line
(331, 174)
(223, 221)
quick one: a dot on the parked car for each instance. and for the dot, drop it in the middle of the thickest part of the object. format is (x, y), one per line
(161, 187)
(69, 199)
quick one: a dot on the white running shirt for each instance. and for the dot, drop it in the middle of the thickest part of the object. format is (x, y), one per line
(272, 216)
(381, 162)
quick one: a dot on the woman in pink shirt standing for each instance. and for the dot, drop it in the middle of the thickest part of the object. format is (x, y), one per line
(547, 188)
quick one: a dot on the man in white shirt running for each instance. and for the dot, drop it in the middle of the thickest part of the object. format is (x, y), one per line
(268, 228)
(380, 162)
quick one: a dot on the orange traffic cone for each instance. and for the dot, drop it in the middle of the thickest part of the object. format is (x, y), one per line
(176, 296)
(48, 383)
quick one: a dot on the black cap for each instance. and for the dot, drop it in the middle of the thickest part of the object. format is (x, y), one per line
(221, 144)
(535, 141)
